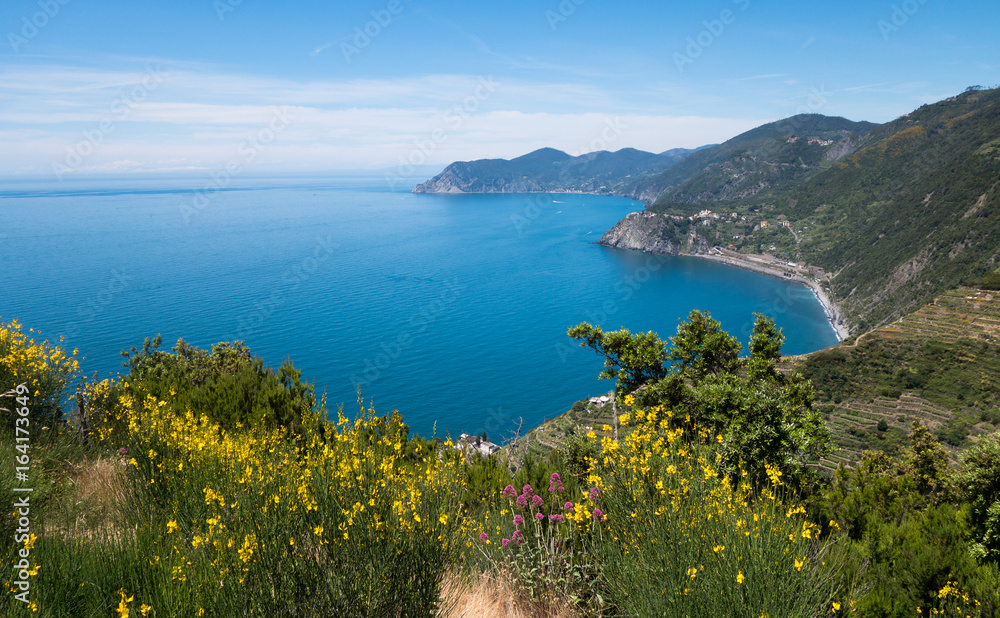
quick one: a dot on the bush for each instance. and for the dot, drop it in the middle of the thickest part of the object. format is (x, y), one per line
(44, 368)
(979, 482)
(991, 416)
(684, 541)
(228, 384)
(250, 522)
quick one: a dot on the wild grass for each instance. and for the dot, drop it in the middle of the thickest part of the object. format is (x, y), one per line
(165, 511)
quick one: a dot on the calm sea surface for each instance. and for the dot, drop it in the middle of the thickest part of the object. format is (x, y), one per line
(451, 308)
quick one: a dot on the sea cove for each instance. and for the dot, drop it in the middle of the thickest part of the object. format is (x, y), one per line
(451, 308)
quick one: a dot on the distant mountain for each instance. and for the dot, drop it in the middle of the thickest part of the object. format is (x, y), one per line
(772, 155)
(549, 169)
(896, 214)
(914, 212)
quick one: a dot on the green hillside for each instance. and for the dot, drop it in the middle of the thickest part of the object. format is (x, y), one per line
(895, 216)
(548, 169)
(939, 365)
(910, 215)
(772, 155)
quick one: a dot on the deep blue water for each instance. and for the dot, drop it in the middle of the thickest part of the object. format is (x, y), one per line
(451, 308)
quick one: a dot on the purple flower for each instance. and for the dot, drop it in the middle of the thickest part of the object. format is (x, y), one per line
(518, 520)
(557, 518)
(123, 451)
(598, 515)
(539, 516)
(505, 542)
(509, 491)
(527, 491)
(595, 494)
(484, 537)
(522, 502)
(536, 501)
(554, 482)
(568, 506)
(518, 537)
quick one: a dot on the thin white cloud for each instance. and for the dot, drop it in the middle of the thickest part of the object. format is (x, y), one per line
(195, 119)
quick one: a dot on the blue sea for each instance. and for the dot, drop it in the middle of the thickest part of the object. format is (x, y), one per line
(452, 309)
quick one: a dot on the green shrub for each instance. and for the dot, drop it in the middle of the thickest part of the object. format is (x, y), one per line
(228, 384)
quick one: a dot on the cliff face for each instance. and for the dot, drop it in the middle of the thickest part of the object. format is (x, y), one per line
(654, 233)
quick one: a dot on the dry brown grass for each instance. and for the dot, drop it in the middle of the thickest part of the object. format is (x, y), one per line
(496, 596)
(95, 501)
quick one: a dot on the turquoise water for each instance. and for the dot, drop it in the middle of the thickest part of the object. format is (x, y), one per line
(451, 308)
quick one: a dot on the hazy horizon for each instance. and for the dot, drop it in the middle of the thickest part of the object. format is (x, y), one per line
(198, 87)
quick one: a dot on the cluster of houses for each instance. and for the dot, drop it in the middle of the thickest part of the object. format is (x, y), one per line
(708, 215)
(599, 401)
(476, 444)
(766, 224)
(815, 141)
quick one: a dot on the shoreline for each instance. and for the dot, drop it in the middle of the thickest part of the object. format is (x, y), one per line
(832, 311)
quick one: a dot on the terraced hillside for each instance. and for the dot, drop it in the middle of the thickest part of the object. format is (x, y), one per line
(939, 365)
(554, 433)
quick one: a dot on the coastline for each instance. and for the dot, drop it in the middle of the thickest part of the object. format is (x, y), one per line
(765, 265)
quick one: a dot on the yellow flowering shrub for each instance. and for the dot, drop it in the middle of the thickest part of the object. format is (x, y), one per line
(704, 545)
(243, 507)
(46, 369)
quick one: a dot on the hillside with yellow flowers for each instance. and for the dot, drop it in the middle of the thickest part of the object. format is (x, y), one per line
(202, 483)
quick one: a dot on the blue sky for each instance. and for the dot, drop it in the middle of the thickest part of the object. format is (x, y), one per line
(190, 87)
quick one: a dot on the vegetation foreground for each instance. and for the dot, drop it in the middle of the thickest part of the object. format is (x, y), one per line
(204, 483)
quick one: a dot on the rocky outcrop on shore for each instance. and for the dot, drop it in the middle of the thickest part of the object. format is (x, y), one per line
(646, 231)
(666, 235)
(460, 178)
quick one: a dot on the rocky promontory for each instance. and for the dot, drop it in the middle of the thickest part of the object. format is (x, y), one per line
(654, 233)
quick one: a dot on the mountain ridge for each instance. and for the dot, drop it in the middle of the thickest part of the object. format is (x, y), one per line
(552, 170)
(893, 214)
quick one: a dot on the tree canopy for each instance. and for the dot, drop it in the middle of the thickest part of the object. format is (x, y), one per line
(765, 418)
